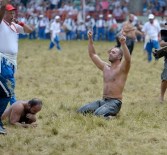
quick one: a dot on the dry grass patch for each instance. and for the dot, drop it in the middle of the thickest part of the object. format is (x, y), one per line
(65, 81)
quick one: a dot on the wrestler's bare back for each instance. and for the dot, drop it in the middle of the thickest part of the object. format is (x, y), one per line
(18, 104)
(114, 82)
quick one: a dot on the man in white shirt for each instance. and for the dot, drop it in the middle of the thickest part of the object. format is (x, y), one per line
(69, 25)
(100, 24)
(151, 31)
(42, 23)
(9, 30)
(81, 30)
(91, 25)
(112, 27)
(55, 29)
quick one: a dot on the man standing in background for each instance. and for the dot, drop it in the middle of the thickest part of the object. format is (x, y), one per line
(55, 29)
(151, 31)
(130, 32)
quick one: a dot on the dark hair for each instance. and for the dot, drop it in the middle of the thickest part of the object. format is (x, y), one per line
(120, 52)
(33, 102)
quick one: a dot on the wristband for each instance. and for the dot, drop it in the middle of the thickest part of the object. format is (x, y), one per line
(21, 24)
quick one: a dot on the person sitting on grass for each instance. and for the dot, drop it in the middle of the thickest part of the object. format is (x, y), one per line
(23, 113)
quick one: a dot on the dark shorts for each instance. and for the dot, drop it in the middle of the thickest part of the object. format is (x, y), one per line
(103, 107)
(130, 42)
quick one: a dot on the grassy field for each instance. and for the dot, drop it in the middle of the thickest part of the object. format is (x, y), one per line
(68, 79)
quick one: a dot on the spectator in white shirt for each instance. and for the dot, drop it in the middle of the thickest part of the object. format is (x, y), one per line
(55, 29)
(151, 30)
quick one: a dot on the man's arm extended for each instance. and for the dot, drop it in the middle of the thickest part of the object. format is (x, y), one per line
(2, 8)
(92, 53)
(125, 66)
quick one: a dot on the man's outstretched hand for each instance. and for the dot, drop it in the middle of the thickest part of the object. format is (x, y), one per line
(90, 33)
(122, 39)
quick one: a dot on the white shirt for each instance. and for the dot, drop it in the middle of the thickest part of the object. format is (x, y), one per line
(69, 23)
(100, 23)
(81, 27)
(9, 37)
(110, 22)
(43, 22)
(55, 29)
(90, 24)
(152, 30)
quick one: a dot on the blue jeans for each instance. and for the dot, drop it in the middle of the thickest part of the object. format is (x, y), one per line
(101, 33)
(32, 35)
(41, 33)
(82, 35)
(149, 47)
(57, 42)
(111, 35)
(7, 85)
(69, 35)
(104, 107)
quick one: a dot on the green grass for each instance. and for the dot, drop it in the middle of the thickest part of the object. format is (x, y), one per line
(67, 80)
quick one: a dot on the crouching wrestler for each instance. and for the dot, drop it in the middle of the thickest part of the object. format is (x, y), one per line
(23, 113)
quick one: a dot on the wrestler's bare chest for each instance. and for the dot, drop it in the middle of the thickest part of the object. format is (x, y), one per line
(111, 75)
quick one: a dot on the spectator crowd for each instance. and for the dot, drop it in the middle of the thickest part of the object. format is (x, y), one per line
(104, 17)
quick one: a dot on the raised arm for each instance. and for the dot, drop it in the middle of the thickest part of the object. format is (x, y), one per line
(92, 53)
(125, 66)
(2, 8)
